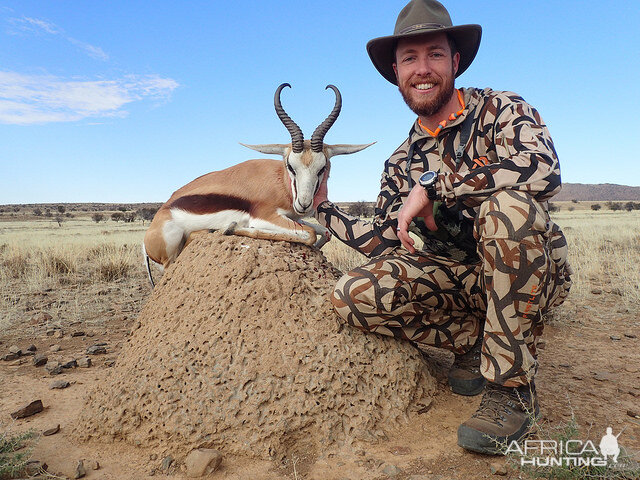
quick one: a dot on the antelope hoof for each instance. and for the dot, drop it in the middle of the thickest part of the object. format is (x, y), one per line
(230, 229)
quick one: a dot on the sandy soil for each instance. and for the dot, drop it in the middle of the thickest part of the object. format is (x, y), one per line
(590, 368)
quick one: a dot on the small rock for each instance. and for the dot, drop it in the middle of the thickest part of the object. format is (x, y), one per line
(614, 337)
(202, 461)
(166, 462)
(40, 360)
(617, 291)
(596, 291)
(391, 470)
(10, 356)
(53, 368)
(564, 365)
(633, 413)
(51, 431)
(54, 348)
(58, 334)
(109, 363)
(498, 468)
(31, 348)
(400, 450)
(42, 317)
(93, 464)
(602, 376)
(70, 364)
(84, 362)
(153, 457)
(28, 410)
(15, 349)
(96, 350)
(630, 335)
(78, 334)
(80, 470)
(59, 385)
(630, 368)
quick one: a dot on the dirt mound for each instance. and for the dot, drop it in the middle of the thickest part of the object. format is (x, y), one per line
(239, 349)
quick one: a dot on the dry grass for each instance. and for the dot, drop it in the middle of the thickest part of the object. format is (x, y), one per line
(37, 256)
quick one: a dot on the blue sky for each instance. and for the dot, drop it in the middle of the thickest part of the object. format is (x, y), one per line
(125, 101)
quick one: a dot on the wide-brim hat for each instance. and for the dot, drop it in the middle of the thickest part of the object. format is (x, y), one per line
(421, 17)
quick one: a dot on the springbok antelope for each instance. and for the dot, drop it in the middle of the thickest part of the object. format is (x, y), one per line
(257, 198)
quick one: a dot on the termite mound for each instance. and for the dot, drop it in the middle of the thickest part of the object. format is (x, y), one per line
(239, 349)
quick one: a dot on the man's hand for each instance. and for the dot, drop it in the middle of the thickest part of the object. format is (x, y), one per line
(323, 192)
(417, 204)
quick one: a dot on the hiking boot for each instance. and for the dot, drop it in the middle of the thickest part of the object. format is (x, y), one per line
(464, 375)
(505, 414)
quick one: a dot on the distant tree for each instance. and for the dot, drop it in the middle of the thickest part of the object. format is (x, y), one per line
(571, 208)
(61, 208)
(595, 206)
(16, 209)
(97, 217)
(614, 206)
(48, 213)
(147, 213)
(636, 205)
(117, 216)
(129, 217)
(573, 200)
(37, 212)
(553, 207)
(122, 208)
(628, 206)
(59, 218)
(360, 209)
(68, 215)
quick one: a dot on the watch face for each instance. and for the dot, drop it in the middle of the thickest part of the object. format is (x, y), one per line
(428, 178)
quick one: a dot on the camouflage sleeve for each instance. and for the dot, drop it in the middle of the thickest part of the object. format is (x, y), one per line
(526, 159)
(371, 238)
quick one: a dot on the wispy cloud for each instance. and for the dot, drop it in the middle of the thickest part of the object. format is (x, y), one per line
(37, 99)
(37, 26)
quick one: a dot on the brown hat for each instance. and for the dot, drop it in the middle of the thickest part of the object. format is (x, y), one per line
(420, 17)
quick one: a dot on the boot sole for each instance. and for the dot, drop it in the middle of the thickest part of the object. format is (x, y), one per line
(480, 442)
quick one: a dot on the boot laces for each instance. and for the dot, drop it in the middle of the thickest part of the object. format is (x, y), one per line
(496, 405)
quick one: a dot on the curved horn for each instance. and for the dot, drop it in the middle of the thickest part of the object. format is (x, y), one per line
(294, 130)
(317, 139)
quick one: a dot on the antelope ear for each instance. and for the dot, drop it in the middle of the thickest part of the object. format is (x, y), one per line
(333, 150)
(269, 149)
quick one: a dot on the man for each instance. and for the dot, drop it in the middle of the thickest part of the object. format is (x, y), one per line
(471, 182)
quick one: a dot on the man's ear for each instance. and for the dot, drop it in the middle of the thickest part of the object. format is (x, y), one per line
(456, 62)
(395, 69)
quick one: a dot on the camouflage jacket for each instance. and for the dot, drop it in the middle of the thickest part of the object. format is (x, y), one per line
(509, 147)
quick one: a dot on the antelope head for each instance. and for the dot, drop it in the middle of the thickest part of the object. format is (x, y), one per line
(306, 161)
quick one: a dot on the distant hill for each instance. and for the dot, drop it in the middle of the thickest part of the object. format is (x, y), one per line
(601, 192)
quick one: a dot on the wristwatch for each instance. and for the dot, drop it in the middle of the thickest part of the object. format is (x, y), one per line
(428, 181)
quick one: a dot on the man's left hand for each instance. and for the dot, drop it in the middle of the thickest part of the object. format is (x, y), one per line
(417, 204)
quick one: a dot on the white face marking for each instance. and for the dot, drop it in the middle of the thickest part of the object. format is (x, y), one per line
(305, 179)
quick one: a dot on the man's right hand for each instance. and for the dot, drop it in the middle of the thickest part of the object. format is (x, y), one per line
(417, 204)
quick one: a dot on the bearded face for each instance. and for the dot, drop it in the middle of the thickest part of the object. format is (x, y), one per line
(426, 70)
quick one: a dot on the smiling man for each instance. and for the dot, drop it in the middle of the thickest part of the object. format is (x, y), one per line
(471, 182)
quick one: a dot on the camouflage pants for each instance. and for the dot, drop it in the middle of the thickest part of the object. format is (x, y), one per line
(437, 301)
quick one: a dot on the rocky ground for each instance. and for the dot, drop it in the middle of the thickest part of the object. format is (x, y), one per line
(590, 369)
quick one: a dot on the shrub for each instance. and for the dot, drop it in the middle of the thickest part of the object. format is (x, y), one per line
(360, 209)
(13, 457)
(595, 207)
(97, 217)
